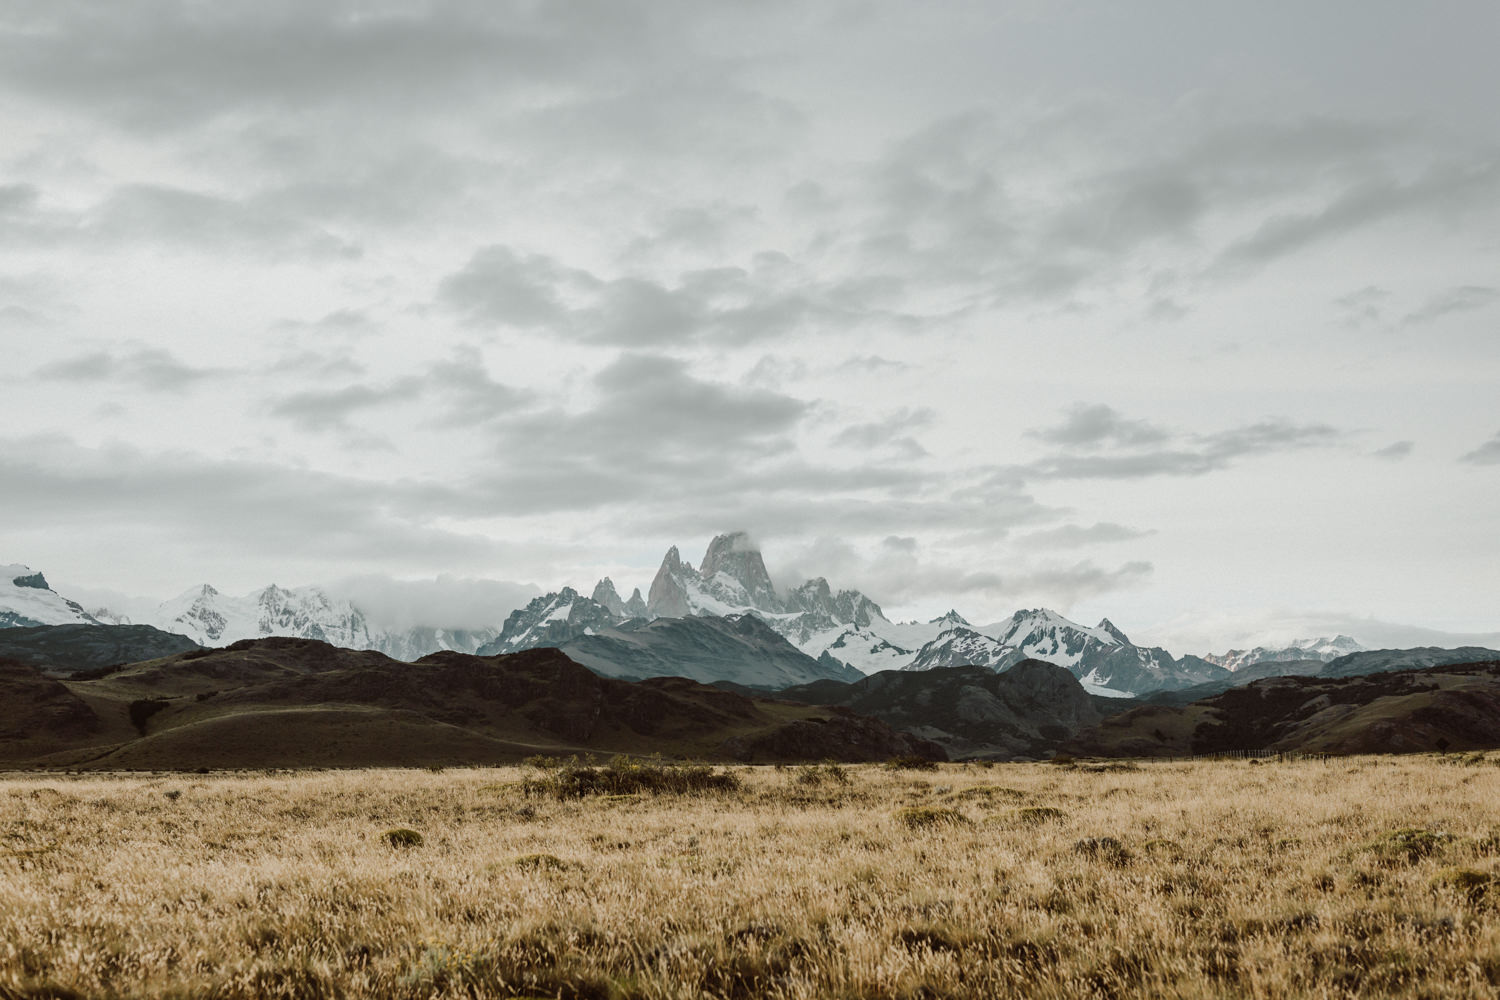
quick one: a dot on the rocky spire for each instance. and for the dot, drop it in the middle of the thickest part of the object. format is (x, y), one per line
(606, 596)
(669, 597)
(735, 557)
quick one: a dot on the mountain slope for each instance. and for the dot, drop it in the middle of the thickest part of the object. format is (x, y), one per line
(1450, 707)
(67, 649)
(212, 618)
(1381, 660)
(738, 648)
(1304, 649)
(1027, 710)
(298, 702)
(26, 600)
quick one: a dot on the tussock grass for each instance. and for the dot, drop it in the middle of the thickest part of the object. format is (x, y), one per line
(1238, 882)
(624, 777)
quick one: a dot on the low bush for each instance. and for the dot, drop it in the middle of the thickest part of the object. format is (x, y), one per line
(1466, 882)
(911, 762)
(402, 837)
(1407, 846)
(622, 776)
(141, 711)
(1037, 815)
(922, 817)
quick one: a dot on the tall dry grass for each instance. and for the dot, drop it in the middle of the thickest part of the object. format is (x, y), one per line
(1165, 880)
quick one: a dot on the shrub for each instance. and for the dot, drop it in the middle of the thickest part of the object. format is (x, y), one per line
(1106, 849)
(910, 762)
(1466, 882)
(1037, 815)
(141, 711)
(814, 775)
(541, 863)
(922, 817)
(1408, 845)
(402, 837)
(622, 776)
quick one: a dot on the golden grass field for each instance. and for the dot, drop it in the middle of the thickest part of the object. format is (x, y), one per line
(1201, 879)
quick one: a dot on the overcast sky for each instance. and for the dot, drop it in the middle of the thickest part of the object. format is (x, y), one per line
(1183, 313)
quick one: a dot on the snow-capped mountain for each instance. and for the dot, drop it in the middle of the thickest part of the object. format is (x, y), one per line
(606, 595)
(212, 618)
(1323, 649)
(26, 599)
(847, 629)
(553, 619)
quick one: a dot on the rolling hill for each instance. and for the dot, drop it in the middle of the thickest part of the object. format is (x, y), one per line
(286, 702)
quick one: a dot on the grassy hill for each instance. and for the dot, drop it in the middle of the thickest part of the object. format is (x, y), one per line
(284, 702)
(1449, 707)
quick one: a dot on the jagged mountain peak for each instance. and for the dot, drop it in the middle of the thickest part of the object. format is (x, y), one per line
(26, 600)
(606, 595)
(952, 617)
(1109, 627)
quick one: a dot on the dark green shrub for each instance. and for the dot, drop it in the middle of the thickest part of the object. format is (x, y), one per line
(910, 762)
(1037, 815)
(141, 711)
(1407, 846)
(922, 817)
(1106, 849)
(402, 837)
(622, 776)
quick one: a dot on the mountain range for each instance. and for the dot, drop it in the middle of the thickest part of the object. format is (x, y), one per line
(724, 619)
(844, 630)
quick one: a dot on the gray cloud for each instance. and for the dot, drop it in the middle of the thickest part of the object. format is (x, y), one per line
(1486, 454)
(1099, 426)
(893, 431)
(195, 502)
(1191, 455)
(145, 368)
(499, 287)
(1441, 190)
(455, 393)
(1395, 451)
(1075, 536)
(154, 215)
(1464, 298)
(444, 602)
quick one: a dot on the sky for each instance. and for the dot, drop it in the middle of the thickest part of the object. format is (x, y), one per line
(1185, 314)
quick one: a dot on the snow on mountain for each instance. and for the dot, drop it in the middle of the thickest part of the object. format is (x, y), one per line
(27, 600)
(215, 619)
(1323, 649)
(556, 618)
(606, 596)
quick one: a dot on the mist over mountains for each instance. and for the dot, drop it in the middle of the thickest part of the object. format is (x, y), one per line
(724, 619)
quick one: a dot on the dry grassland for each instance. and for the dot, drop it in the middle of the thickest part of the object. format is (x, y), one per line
(1362, 877)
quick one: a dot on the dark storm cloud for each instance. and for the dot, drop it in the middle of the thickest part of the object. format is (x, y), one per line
(1486, 454)
(145, 368)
